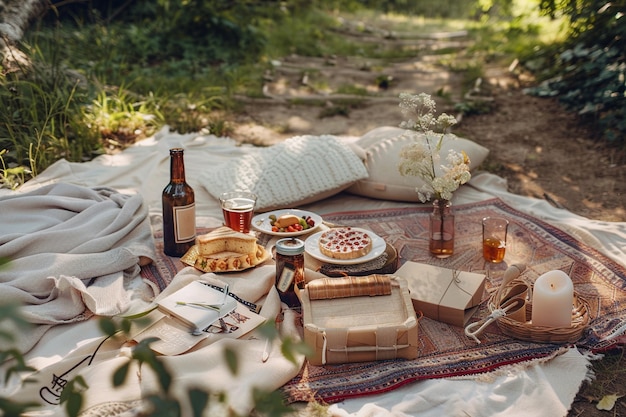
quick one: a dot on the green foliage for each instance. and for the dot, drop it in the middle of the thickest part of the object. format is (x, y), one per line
(587, 71)
(270, 403)
(289, 348)
(190, 112)
(10, 408)
(191, 32)
(162, 403)
(40, 117)
(446, 9)
(72, 395)
(3, 261)
(119, 118)
(139, 65)
(199, 401)
(11, 178)
(149, 63)
(449, 9)
(12, 322)
(230, 357)
(307, 32)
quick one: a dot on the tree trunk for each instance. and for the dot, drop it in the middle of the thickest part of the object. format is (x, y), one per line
(16, 15)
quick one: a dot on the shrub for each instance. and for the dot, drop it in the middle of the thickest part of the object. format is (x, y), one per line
(587, 71)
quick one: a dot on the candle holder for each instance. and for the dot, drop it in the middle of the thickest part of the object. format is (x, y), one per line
(525, 330)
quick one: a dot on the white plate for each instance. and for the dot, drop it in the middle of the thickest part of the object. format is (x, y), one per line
(261, 222)
(311, 246)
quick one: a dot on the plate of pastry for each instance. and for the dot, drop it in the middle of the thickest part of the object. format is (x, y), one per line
(345, 246)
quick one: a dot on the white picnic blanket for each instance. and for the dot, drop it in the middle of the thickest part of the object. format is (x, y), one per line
(144, 169)
(80, 349)
(70, 248)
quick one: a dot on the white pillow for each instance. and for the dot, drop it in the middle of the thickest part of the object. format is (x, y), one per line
(297, 171)
(382, 147)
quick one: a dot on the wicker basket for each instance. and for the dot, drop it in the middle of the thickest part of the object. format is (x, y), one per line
(360, 328)
(526, 331)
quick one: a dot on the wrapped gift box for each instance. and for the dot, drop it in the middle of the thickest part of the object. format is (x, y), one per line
(442, 294)
(359, 319)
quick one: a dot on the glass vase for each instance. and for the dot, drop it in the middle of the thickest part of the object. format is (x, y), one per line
(441, 229)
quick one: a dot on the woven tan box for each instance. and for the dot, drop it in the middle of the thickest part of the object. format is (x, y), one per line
(347, 324)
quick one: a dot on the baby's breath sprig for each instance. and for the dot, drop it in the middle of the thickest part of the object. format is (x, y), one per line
(420, 112)
(421, 157)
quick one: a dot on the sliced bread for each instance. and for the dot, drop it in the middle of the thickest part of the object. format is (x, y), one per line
(224, 239)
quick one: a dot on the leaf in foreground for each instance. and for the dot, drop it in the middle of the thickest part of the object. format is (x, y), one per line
(608, 402)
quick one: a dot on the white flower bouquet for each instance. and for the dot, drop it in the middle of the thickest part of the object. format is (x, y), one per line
(422, 157)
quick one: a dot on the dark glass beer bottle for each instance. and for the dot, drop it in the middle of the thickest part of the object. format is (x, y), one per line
(179, 209)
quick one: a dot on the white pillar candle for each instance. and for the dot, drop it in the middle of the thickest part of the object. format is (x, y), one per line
(553, 299)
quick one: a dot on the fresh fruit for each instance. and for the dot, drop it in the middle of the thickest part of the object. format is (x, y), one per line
(290, 223)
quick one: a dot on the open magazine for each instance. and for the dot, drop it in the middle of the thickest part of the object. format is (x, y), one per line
(183, 319)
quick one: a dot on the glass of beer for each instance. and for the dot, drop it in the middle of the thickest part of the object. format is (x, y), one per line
(238, 208)
(494, 238)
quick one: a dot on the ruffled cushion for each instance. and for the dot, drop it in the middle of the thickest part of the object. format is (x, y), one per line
(382, 148)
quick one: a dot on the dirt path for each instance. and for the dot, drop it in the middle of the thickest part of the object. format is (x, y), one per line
(545, 152)
(534, 143)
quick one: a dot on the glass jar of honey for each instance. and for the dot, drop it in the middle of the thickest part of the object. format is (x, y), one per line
(289, 270)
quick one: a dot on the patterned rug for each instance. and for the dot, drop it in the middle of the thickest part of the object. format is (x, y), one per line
(161, 272)
(444, 349)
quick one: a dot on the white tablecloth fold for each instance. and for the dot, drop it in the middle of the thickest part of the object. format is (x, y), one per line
(204, 367)
(69, 250)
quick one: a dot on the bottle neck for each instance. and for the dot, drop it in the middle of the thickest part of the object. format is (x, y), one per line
(177, 165)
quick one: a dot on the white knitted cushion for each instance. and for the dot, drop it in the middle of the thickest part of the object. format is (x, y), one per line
(297, 171)
(382, 147)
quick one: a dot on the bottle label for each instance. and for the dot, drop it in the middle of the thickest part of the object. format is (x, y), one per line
(285, 279)
(184, 223)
